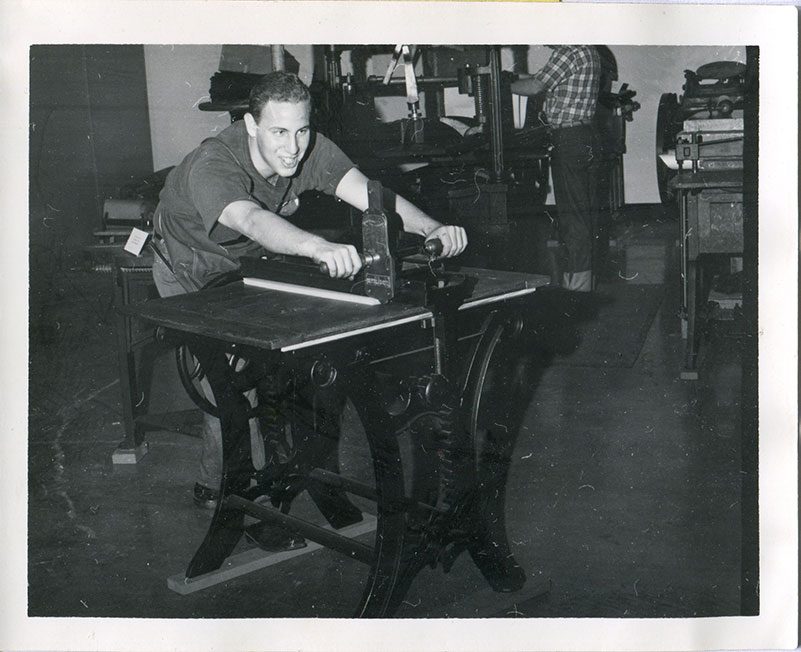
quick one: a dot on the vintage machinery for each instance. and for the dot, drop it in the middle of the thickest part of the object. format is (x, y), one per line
(709, 189)
(715, 89)
(700, 168)
(428, 135)
(417, 478)
(480, 167)
(710, 145)
(713, 92)
(131, 206)
(391, 270)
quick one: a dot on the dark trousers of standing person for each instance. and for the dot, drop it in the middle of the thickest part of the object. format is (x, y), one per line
(575, 163)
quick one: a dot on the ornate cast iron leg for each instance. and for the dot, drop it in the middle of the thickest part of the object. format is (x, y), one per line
(461, 466)
(453, 503)
(227, 524)
(364, 391)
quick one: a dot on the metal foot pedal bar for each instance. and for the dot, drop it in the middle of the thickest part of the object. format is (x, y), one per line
(354, 549)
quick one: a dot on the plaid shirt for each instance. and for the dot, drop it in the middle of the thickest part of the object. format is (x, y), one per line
(571, 78)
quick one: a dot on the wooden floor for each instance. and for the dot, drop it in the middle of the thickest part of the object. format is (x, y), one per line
(625, 496)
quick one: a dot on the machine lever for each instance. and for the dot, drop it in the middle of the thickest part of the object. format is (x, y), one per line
(431, 248)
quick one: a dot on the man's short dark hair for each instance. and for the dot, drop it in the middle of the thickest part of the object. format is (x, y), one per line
(277, 86)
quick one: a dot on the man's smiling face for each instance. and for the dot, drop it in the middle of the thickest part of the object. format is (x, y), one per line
(278, 142)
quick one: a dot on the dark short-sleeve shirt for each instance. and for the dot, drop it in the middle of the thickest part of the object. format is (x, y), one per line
(219, 172)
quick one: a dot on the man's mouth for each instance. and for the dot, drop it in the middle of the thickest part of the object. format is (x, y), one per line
(289, 162)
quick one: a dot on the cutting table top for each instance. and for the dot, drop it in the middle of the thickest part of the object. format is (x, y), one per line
(707, 179)
(269, 319)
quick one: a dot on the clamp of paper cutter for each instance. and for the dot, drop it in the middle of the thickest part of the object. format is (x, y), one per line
(380, 258)
(388, 271)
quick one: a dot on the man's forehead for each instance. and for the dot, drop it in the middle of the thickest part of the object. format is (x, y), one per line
(277, 113)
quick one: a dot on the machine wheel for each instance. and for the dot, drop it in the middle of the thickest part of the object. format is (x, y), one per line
(725, 107)
(462, 468)
(492, 387)
(395, 466)
(191, 374)
(668, 124)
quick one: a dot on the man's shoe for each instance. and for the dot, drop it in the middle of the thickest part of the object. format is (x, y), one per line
(273, 539)
(205, 497)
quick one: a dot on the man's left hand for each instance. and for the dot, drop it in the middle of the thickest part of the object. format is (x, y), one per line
(453, 239)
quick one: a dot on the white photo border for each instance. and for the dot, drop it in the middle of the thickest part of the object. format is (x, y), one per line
(772, 28)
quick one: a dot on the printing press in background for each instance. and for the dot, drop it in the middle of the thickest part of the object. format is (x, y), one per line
(699, 146)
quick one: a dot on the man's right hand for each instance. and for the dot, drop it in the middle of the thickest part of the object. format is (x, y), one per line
(342, 261)
(275, 234)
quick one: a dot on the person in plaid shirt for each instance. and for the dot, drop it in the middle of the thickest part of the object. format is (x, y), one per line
(570, 80)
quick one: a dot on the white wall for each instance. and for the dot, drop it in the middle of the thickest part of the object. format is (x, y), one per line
(178, 80)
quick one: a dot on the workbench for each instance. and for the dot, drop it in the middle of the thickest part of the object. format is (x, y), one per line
(711, 224)
(428, 384)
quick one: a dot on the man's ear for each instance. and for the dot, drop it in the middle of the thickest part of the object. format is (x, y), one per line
(250, 124)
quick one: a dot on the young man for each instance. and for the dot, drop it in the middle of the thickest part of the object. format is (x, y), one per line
(570, 80)
(234, 196)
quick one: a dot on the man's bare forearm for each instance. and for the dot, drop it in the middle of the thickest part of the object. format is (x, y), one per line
(276, 234)
(271, 231)
(527, 86)
(353, 190)
(414, 219)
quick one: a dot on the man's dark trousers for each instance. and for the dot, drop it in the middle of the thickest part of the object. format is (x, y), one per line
(575, 163)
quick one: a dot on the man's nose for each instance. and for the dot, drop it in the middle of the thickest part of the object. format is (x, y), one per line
(292, 145)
